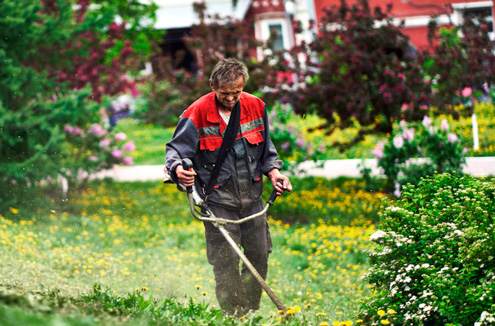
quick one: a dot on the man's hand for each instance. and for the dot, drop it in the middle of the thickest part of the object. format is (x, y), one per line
(186, 178)
(275, 176)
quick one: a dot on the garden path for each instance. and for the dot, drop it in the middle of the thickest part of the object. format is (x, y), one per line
(476, 166)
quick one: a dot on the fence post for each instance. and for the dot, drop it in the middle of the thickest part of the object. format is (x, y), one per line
(476, 143)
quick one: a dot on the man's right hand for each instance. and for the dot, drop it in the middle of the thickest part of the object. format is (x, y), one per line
(186, 178)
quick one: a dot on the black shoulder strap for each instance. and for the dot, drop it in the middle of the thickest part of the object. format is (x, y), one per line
(228, 141)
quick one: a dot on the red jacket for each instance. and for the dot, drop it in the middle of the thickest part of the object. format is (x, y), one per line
(199, 135)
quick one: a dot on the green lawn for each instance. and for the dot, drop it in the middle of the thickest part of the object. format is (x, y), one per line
(150, 140)
(146, 254)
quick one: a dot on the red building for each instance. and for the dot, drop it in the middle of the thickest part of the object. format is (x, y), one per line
(417, 13)
(270, 16)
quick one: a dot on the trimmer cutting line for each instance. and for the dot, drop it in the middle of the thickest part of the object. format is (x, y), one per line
(206, 215)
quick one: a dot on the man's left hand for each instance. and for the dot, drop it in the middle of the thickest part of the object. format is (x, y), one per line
(275, 176)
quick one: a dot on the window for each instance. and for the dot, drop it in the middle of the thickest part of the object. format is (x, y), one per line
(481, 15)
(479, 11)
(277, 30)
(276, 36)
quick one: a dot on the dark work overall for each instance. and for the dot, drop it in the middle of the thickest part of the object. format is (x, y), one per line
(236, 290)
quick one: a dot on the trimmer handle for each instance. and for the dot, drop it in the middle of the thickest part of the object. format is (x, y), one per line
(187, 165)
(273, 195)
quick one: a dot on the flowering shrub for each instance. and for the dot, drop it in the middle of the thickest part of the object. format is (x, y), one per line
(289, 141)
(94, 150)
(416, 151)
(67, 56)
(433, 260)
(459, 57)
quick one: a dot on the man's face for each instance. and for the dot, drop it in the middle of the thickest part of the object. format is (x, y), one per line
(228, 95)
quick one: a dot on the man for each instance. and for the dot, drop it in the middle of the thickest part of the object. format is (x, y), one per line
(236, 191)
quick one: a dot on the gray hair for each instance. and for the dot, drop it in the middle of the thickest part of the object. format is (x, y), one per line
(227, 72)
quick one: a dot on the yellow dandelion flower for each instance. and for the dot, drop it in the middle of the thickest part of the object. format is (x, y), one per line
(198, 287)
(347, 323)
(336, 323)
(391, 311)
(381, 313)
(14, 210)
(297, 309)
(204, 293)
(359, 321)
(290, 312)
(323, 323)
(385, 322)
(144, 288)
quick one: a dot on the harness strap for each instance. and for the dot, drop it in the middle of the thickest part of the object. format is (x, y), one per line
(229, 138)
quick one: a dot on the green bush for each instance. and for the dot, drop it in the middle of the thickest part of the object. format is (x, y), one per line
(433, 262)
(58, 60)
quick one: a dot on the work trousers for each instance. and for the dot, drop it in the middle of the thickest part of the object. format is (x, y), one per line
(236, 289)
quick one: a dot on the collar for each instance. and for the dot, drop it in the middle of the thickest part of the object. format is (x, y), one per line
(213, 116)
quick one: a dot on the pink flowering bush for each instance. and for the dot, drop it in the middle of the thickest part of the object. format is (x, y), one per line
(416, 150)
(288, 140)
(95, 149)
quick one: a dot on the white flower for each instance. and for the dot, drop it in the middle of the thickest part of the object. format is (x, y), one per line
(377, 235)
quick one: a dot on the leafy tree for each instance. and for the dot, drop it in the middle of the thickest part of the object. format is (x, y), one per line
(51, 66)
(359, 68)
(107, 41)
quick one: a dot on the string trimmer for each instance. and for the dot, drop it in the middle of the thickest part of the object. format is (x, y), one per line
(206, 215)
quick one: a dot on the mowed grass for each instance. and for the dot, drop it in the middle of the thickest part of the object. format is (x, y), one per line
(131, 254)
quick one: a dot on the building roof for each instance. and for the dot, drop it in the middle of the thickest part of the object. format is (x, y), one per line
(180, 13)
